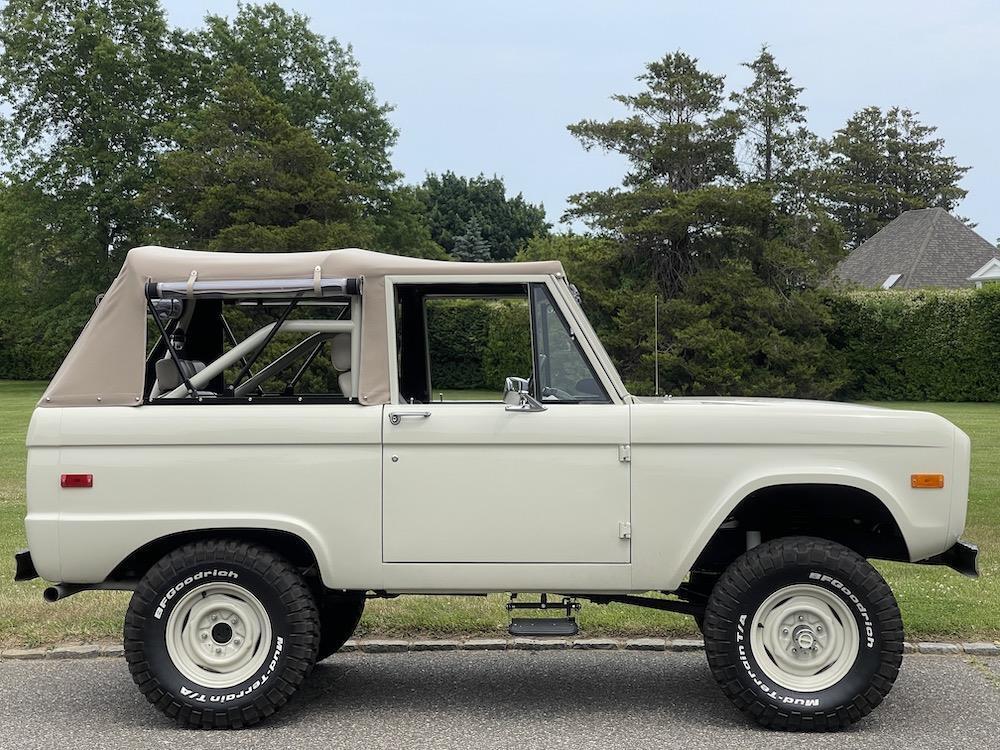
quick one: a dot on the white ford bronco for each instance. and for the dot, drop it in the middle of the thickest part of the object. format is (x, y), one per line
(256, 444)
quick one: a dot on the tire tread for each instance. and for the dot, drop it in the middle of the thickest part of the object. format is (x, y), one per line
(300, 653)
(772, 557)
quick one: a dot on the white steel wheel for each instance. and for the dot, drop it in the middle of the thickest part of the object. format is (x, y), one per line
(218, 635)
(804, 638)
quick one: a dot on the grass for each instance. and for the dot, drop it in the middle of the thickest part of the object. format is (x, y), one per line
(936, 602)
(468, 395)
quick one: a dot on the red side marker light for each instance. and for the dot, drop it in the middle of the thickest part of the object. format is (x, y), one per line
(77, 480)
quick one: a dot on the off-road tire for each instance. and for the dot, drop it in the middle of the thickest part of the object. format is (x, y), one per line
(769, 568)
(339, 615)
(290, 653)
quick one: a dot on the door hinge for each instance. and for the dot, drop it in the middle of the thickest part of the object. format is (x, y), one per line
(624, 530)
(625, 453)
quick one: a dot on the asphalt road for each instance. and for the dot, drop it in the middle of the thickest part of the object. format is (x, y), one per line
(514, 699)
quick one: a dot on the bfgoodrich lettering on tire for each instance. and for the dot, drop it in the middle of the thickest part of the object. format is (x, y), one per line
(220, 634)
(803, 634)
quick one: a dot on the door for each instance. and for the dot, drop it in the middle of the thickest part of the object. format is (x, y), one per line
(467, 479)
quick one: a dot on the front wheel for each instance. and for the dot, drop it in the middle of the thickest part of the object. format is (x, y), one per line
(220, 634)
(803, 634)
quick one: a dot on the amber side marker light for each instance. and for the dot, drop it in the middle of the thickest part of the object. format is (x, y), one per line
(927, 481)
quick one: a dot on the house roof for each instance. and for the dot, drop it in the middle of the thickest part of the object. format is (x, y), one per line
(928, 248)
(989, 272)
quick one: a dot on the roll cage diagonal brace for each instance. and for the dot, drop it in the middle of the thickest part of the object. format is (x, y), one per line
(170, 344)
(267, 340)
(289, 388)
(232, 340)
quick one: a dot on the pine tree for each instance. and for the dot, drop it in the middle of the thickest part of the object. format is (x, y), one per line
(678, 134)
(737, 272)
(773, 120)
(470, 246)
(884, 163)
(680, 143)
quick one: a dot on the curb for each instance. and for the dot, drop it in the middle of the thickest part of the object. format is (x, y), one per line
(399, 646)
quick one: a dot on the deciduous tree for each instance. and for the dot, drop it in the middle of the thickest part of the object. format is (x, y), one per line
(315, 78)
(86, 83)
(505, 224)
(241, 176)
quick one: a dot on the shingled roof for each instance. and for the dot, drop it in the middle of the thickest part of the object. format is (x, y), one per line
(928, 248)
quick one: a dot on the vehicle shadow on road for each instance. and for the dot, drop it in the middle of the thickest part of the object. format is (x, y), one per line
(521, 686)
(594, 698)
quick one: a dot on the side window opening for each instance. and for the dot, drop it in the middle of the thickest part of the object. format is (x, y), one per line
(254, 349)
(459, 342)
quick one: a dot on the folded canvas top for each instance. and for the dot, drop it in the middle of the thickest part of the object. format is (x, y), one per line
(106, 365)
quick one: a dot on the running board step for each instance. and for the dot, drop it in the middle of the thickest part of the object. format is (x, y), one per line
(543, 626)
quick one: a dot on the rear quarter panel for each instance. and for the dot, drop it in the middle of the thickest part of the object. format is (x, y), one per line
(312, 470)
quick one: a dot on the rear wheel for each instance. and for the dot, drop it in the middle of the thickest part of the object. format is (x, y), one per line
(339, 615)
(803, 634)
(220, 634)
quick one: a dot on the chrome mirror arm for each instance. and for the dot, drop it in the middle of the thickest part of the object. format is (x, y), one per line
(525, 401)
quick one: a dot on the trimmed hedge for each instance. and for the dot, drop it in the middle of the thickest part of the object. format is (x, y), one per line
(922, 345)
(475, 344)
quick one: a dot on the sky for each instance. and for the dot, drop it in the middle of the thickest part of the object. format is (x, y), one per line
(490, 88)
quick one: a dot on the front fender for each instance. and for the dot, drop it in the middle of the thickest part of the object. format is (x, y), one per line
(707, 530)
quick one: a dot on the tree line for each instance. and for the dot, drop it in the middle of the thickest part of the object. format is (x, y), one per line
(255, 133)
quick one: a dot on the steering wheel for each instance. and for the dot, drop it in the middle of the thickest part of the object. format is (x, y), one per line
(558, 393)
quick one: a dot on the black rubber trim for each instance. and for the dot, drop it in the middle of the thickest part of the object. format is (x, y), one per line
(24, 566)
(339, 615)
(961, 557)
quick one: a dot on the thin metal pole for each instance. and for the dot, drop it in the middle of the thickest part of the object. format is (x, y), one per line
(656, 344)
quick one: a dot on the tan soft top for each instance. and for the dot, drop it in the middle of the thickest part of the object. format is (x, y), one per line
(106, 364)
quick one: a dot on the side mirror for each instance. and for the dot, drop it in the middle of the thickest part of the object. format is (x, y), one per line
(517, 396)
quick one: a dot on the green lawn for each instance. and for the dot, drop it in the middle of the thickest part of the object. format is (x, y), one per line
(936, 602)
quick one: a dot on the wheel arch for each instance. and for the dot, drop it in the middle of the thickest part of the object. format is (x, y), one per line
(289, 544)
(852, 511)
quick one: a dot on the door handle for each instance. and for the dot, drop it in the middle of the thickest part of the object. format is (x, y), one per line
(397, 416)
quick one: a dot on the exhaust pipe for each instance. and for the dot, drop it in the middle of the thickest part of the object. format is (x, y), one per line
(62, 590)
(59, 591)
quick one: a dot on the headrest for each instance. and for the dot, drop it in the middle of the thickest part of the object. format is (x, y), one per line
(345, 382)
(169, 377)
(340, 352)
